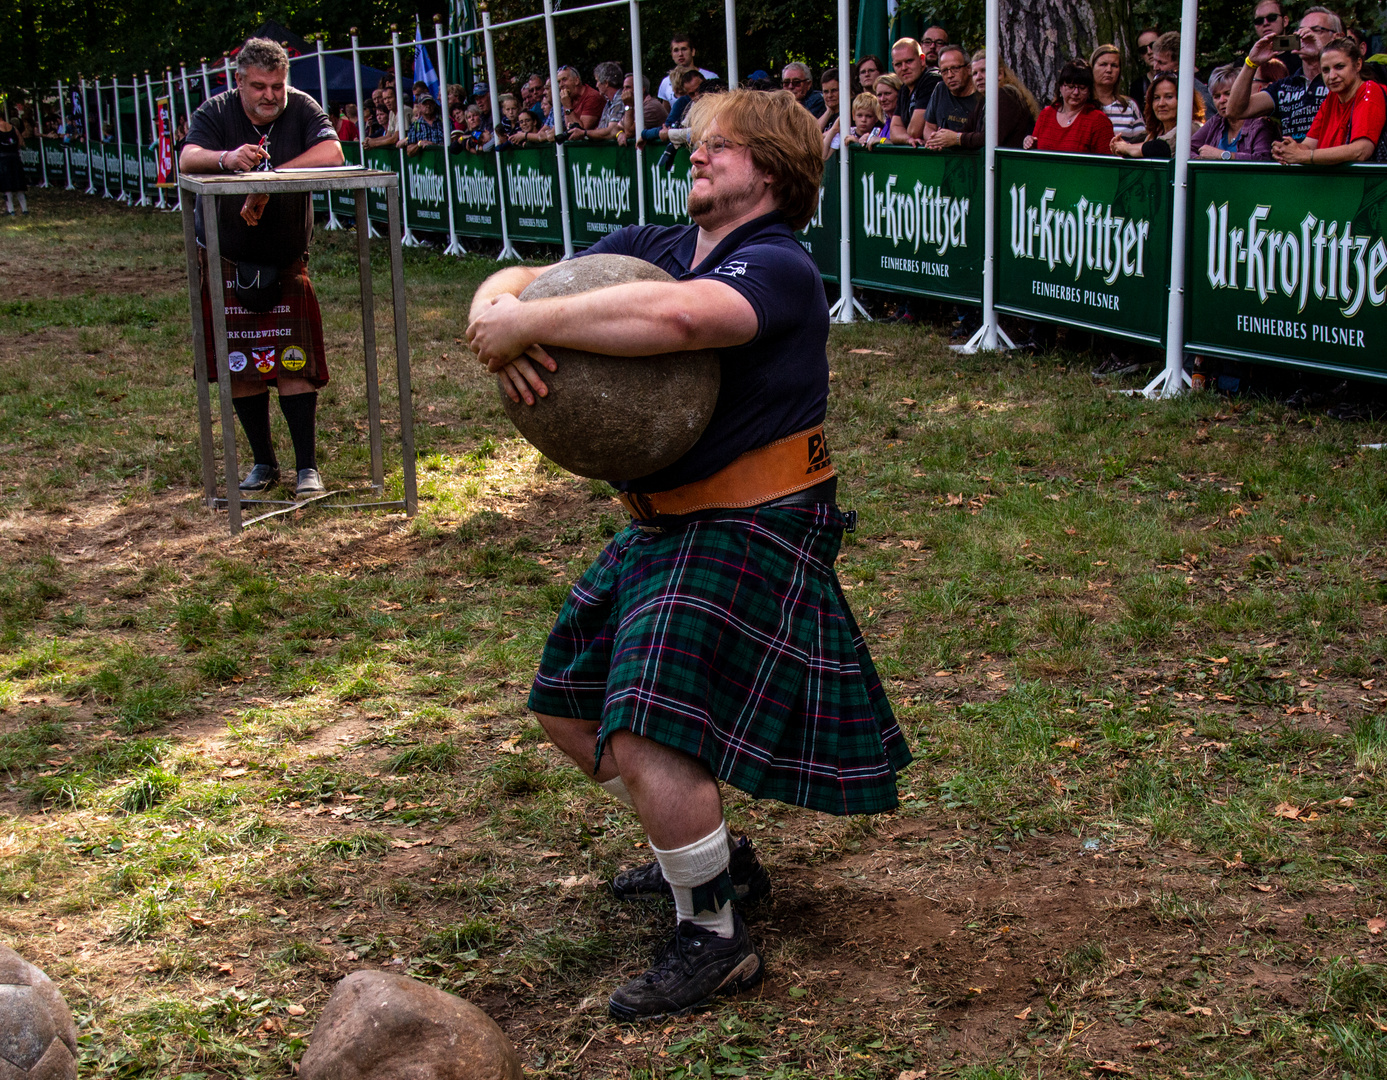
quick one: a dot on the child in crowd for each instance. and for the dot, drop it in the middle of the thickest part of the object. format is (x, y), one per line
(868, 125)
(509, 105)
(527, 129)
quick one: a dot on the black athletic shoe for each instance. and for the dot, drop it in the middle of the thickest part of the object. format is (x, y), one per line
(261, 478)
(648, 882)
(693, 966)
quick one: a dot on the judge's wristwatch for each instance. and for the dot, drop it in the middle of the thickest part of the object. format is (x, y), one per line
(1226, 156)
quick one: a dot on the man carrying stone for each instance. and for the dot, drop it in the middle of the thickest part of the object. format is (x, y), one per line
(711, 641)
(274, 328)
(1296, 99)
(953, 99)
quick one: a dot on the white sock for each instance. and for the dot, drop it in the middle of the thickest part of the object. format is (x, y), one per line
(697, 864)
(616, 788)
(23, 203)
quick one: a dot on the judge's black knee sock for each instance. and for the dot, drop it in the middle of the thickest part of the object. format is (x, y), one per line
(255, 421)
(301, 413)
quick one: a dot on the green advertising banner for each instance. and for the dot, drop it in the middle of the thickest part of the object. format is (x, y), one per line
(319, 202)
(81, 165)
(476, 194)
(1085, 240)
(426, 191)
(149, 163)
(601, 190)
(918, 222)
(1289, 266)
(821, 236)
(55, 157)
(385, 159)
(344, 202)
(532, 194)
(110, 159)
(29, 159)
(667, 190)
(130, 170)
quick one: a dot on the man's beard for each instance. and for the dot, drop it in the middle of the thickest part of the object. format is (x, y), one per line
(720, 206)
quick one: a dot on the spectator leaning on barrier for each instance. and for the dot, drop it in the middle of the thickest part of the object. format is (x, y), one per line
(531, 90)
(868, 123)
(909, 64)
(1016, 111)
(1124, 112)
(889, 90)
(1072, 123)
(1296, 99)
(1146, 54)
(427, 129)
(799, 80)
(828, 86)
(608, 77)
(582, 105)
(688, 85)
(1221, 139)
(683, 54)
(273, 325)
(1162, 116)
(953, 99)
(1349, 123)
(346, 126)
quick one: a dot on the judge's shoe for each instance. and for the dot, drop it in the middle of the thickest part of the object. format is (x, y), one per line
(694, 966)
(310, 483)
(648, 882)
(261, 478)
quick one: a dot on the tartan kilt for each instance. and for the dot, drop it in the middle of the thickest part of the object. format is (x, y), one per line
(730, 639)
(287, 340)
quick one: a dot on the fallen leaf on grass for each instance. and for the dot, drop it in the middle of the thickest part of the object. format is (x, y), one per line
(1072, 743)
(1148, 1044)
(509, 747)
(390, 804)
(913, 545)
(228, 774)
(1024, 1013)
(954, 500)
(942, 674)
(1262, 888)
(871, 352)
(908, 401)
(1224, 697)
(1199, 1010)
(411, 843)
(913, 1074)
(1377, 925)
(1286, 810)
(295, 1010)
(1110, 1068)
(225, 969)
(573, 882)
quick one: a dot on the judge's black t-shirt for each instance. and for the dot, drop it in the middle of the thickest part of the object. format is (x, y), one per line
(286, 226)
(918, 96)
(777, 383)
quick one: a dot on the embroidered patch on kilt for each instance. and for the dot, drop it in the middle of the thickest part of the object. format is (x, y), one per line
(264, 359)
(236, 361)
(292, 358)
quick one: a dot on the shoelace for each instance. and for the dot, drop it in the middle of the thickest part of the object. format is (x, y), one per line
(673, 955)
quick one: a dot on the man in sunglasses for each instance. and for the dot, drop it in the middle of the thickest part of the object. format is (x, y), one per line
(1269, 17)
(799, 80)
(1296, 99)
(1146, 53)
(711, 640)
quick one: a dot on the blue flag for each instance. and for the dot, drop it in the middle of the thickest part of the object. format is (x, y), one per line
(423, 66)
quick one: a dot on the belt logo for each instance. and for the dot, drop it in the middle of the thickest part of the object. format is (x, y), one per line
(818, 453)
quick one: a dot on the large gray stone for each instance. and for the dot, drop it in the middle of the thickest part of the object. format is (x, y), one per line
(615, 417)
(38, 1040)
(382, 1026)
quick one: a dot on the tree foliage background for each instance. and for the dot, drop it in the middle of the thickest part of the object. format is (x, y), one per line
(52, 39)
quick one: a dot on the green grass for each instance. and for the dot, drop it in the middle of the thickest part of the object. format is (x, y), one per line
(1142, 669)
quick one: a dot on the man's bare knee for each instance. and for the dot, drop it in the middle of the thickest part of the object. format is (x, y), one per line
(638, 757)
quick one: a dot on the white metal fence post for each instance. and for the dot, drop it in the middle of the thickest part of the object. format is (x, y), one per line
(66, 135)
(407, 239)
(87, 136)
(121, 196)
(507, 248)
(638, 105)
(453, 248)
(848, 306)
(729, 18)
(332, 223)
(158, 199)
(38, 135)
(143, 200)
(558, 126)
(361, 118)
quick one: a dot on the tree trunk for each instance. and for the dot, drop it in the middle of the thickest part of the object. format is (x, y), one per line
(1040, 36)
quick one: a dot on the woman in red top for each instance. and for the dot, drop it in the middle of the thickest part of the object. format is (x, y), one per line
(1351, 116)
(1074, 124)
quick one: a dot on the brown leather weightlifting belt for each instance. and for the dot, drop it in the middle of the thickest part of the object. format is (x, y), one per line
(770, 472)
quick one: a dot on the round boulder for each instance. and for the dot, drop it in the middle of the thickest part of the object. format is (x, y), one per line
(38, 1039)
(615, 417)
(380, 1026)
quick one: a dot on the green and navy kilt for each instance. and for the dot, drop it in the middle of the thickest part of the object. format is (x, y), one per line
(729, 638)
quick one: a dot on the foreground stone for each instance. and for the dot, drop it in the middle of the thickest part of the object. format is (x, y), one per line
(38, 1040)
(389, 1027)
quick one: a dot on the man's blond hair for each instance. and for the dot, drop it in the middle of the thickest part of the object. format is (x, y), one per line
(783, 138)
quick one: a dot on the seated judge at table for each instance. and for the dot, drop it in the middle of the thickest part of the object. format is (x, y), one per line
(1073, 123)
(1162, 114)
(1348, 126)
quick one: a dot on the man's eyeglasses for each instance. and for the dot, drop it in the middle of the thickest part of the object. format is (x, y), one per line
(794, 82)
(936, 41)
(951, 70)
(1144, 49)
(1258, 20)
(714, 145)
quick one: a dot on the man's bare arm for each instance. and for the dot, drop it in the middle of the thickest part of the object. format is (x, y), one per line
(197, 159)
(1242, 102)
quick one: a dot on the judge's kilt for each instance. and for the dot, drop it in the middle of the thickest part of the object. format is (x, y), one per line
(286, 340)
(729, 638)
